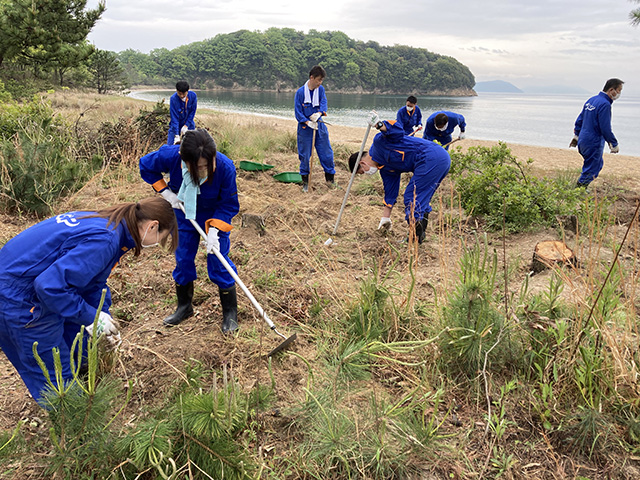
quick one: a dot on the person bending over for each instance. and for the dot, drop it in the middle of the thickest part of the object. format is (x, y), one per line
(52, 276)
(393, 153)
(440, 125)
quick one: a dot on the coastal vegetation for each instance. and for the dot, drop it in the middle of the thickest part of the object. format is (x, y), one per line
(445, 360)
(44, 43)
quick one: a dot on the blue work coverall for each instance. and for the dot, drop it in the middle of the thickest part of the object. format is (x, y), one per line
(182, 113)
(305, 133)
(217, 204)
(398, 153)
(409, 119)
(431, 133)
(593, 127)
(51, 281)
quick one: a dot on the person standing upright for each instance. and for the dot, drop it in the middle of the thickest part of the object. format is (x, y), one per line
(182, 110)
(309, 106)
(593, 128)
(440, 125)
(410, 116)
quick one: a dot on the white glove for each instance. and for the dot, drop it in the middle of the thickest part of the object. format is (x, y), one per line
(114, 340)
(574, 141)
(105, 324)
(385, 223)
(213, 242)
(312, 125)
(462, 136)
(373, 118)
(615, 149)
(171, 197)
(184, 130)
(176, 139)
(314, 117)
(417, 128)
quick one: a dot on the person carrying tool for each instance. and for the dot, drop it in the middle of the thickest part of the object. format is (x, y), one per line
(593, 128)
(440, 125)
(393, 153)
(182, 110)
(410, 116)
(203, 182)
(310, 105)
(52, 276)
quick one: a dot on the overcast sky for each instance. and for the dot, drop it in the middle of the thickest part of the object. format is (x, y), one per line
(526, 42)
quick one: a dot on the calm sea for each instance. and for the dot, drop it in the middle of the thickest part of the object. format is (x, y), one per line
(543, 120)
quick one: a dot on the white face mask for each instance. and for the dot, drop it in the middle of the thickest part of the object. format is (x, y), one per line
(184, 99)
(443, 128)
(409, 109)
(615, 95)
(371, 171)
(145, 236)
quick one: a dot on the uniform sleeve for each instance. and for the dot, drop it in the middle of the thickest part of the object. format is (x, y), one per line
(174, 121)
(395, 131)
(298, 101)
(193, 106)
(391, 184)
(84, 268)
(154, 164)
(418, 116)
(604, 122)
(323, 100)
(399, 116)
(461, 123)
(227, 205)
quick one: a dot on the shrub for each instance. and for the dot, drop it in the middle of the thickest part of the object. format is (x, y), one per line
(495, 184)
(37, 160)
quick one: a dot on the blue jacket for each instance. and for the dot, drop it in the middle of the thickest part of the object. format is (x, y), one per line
(432, 133)
(218, 196)
(409, 120)
(61, 265)
(398, 153)
(304, 110)
(182, 113)
(593, 125)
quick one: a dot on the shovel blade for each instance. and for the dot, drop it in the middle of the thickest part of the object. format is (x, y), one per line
(283, 345)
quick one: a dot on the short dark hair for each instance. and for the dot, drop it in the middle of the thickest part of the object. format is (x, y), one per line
(182, 86)
(412, 99)
(317, 71)
(353, 158)
(612, 83)
(441, 119)
(195, 144)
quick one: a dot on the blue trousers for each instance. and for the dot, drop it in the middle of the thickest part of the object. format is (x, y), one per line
(19, 330)
(593, 161)
(188, 241)
(423, 184)
(323, 148)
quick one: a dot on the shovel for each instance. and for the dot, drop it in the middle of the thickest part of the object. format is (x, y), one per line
(287, 341)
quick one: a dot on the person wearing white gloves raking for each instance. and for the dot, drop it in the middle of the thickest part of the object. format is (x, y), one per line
(203, 181)
(52, 276)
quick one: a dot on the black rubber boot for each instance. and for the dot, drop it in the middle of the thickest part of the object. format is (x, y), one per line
(185, 309)
(421, 228)
(229, 302)
(305, 183)
(330, 179)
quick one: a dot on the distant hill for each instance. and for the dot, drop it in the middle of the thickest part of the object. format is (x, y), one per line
(280, 58)
(497, 86)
